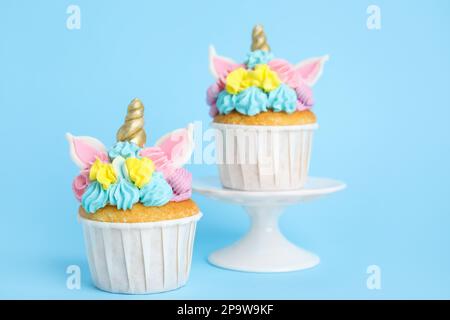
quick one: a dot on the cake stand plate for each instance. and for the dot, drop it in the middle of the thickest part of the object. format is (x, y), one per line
(264, 248)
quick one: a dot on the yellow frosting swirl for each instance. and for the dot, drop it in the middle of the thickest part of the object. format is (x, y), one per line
(236, 81)
(140, 170)
(262, 77)
(103, 173)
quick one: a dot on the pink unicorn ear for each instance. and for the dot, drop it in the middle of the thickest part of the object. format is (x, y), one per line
(85, 150)
(219, 66)
(310, 70)
(178, 145)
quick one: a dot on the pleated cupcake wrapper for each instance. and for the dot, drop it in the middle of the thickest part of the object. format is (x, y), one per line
(263, 157)
(139, 258)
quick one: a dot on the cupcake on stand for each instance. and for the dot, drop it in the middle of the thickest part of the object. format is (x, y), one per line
(261, 110)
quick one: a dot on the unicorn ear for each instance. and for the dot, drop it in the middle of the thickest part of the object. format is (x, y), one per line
(178, 145)
(310, 70)
(85, 150)
(220, 66)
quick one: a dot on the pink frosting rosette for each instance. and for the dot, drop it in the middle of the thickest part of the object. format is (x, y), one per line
(159, 158)
(213, 111)
(181, 182)
(211, 97)
(285, 71)
(80, 183)
(305, 99)
(213, 91)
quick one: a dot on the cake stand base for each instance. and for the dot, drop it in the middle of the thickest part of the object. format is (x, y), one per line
(264, 248)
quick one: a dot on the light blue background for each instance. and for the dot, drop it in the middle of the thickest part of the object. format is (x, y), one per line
(382, 104)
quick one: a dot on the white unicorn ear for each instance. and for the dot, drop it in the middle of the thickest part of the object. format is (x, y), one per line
(310, 70)
(178, 145)
(220, 66)
(85, 150)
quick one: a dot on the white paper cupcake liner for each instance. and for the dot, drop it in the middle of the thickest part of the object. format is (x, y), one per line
(257, 158)
(139, 258)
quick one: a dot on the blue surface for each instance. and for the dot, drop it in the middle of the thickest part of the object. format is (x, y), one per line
(383, 108)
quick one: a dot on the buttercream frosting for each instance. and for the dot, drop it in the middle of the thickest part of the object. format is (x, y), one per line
(258, 57)
(123, 194)
(181, 182)
(140, 170)
(225, 102)
(79, 184)
(124, 149)
(95, 197)
(127, 174)
(283, 98)
(278, 78)
(103, 173)
(156, 193)
(251, 101)
(305, 99)
(160, 160)
(285, 71)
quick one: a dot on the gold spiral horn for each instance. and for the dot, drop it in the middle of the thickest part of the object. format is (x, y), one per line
(259, 39)
(133, 128)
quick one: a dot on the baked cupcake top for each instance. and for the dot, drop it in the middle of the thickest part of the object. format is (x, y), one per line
(262, 83)
(129, 173)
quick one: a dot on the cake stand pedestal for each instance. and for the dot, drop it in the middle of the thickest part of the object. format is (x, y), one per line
(264, 248)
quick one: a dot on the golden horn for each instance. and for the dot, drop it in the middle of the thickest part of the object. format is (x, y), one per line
(259, 40)
(133, 128)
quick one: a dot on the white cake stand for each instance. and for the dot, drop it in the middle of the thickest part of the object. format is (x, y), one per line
(264, 248)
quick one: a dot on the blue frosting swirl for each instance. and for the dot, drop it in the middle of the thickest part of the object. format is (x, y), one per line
(258, 57)
(94, 198)
(225, 102)
(251, 101)
(123, 194)
(283, 98)
(124, 149)
(120, 168)
(157, 192)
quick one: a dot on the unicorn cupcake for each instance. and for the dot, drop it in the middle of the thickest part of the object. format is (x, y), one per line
(261, 109)
(136, 209)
